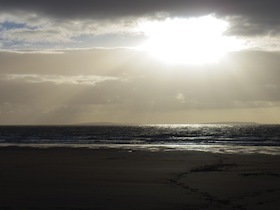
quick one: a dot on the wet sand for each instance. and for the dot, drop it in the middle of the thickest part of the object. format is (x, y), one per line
(65, 178)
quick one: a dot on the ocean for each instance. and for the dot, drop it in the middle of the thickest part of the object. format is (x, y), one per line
(220, 138)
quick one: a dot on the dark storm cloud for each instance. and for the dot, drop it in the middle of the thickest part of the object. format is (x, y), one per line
(112, 8)
(102, 9)
(251, 16)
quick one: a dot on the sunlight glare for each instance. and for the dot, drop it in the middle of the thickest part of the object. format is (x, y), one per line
(188, 41)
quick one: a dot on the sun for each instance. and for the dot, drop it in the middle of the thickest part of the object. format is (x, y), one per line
(188, 41)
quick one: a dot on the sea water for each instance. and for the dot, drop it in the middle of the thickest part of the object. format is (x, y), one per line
(223, 138)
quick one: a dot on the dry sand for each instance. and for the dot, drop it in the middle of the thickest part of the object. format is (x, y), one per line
(64, 178)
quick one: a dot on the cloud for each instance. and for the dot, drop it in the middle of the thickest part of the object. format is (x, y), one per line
(180, 97)
(255, 104)
(67, 22)
(41, 84)
(255, 16)
(37, 35)
(58, 79)
(250, 75)
(99, 84)
(64, 24)
(93, 9)
(110, 8)
(23, 30)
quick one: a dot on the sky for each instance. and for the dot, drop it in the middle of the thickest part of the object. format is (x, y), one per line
(179, 61)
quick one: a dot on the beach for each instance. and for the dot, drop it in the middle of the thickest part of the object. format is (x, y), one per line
(80, 178)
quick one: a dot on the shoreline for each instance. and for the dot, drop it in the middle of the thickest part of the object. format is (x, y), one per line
(216, 149)
(80, 178)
